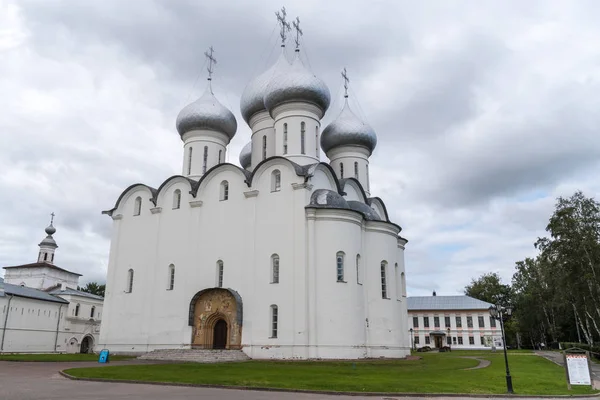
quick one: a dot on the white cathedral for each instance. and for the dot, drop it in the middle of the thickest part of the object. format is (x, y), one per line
(287, 257)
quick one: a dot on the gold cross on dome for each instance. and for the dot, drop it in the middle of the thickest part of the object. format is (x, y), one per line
(211, 62)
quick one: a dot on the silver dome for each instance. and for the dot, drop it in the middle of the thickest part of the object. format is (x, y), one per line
(348, 129)
(252, 100)
(206, 113)
(297, 83)
(246, 155)
(48, 242)
(50, 229)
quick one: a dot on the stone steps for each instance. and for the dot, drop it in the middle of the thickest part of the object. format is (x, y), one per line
(195, 355)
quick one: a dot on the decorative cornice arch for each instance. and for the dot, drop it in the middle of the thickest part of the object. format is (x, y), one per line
(127, 192)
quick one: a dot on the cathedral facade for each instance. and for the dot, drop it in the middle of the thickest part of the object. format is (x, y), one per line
(287, 257)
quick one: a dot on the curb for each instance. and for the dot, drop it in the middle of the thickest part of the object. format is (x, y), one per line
(325, 392)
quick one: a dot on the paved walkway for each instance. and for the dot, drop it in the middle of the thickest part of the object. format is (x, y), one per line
(482, 363)
(557, 358)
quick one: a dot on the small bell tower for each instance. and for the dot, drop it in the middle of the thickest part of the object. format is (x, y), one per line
(48, 246)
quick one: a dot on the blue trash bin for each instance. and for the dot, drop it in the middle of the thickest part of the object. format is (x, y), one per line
(103, 356)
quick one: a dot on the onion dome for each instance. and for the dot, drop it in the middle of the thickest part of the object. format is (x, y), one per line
(206, 113)
(49, 240)
(246, 155)
(50, 230)
(348, 129)
(252, 100)
(297, 83)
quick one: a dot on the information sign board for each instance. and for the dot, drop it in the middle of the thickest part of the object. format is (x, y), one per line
(578, 369)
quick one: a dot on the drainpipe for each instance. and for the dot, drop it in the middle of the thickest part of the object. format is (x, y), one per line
(5, 322)
(57, 325)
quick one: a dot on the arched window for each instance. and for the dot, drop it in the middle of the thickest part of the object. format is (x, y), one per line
(302, 134)
(220, 154)
(398, 284)
(358, 270)
(129, 281)
(384, 280)
(76, 310)
(285, 138)
(92, 312)
(275, 181)
(317, 141)
(220, 271)
(205, 159)
(341, 170)
(52, 258)
(171, 283)
(137, 206)
(356, 169)
(403, 284)
(274, 320)
(368, 184)
(339, 262)
(45, 256)
(176, 199)
(189, 161)
(224, 190)
(274, 268)
(264, 148)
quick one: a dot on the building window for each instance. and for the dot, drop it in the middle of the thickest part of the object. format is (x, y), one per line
(447, 322)
(137, 206)
(492, 322)
(46, 255)
(356, 169)
(482, 341)
(224, 190)
(426, 322)
(264, 148)
(171, 283)
(427, 340)
(129, 281)
(274, 268)
(317, 141)
(368, 184)
(458, 322)
(189, 161)
(176, 199)
(220, 273)
(220, 154)
(480, 322)
(302, 133)
(448, 340)
(384, 293)
(285, 139)
(76, 310)
(436, 322)
(276, 181)
(341, 170)
(274, 321)
(339, 262)
(205, 159)
(415, 322)
(92, 312)
(416, 340)
(460, 340)
(453, 340)
(469, 322)
(358, 270)
(52, 258)
(471, 340)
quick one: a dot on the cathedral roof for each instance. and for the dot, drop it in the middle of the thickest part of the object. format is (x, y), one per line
(206, 113)
(24, 291)
(348, 129)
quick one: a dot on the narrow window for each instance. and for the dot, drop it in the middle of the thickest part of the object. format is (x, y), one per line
(220, 154)
(274, 321)
(448, 340)
(137, 206)
(276, 181)
(469, 322)
(340, 266)
(358, 270)
(224, 190)
(458, 322)
(482, 341)
(76, 310)
(205, 159)
(403, 283)
(480, 322)
(416, 340)
(219, 273)
(492, 322)
(471, 340)
(398, 285)
(436, 322)
(426, 322)
(427, 340)
(52, 258)
(275, 268)
(264, 148)
(368, 184)
(356, 169)
(302, 132)
(176, 199)
(383, 280)
(341, 170)
(317, 141)
(453, 340)
(189, 161)
(460, 340)
(129, 281)
(415, 322)
(285, 138)
(447, 322)
(92, 312)
(45, 256)
(171, 277)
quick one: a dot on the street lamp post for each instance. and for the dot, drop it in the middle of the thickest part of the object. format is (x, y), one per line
(412, 342)
(498, 312)
(449, 339)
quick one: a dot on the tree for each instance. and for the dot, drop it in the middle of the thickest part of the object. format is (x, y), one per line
(93, 288)
(489, 287)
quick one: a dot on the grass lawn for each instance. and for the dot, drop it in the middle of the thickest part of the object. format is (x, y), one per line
(57, 357)
(434, 373)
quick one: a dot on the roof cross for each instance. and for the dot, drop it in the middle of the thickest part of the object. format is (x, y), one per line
(346, 81)
(299, 32)
(52, 218)
(285, 26)
(211, 62)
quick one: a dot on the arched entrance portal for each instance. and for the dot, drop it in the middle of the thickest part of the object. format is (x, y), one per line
(216, 319)
(86, 345)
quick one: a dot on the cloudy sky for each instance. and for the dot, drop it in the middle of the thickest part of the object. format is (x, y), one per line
(485, 113)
